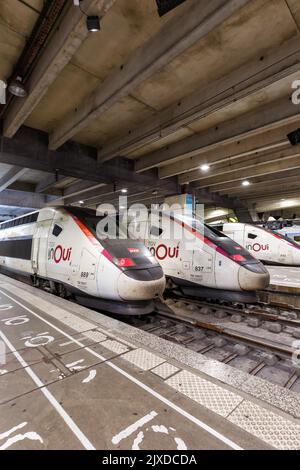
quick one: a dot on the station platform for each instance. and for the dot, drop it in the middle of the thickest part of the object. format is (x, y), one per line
(73, 378)
(284, 289)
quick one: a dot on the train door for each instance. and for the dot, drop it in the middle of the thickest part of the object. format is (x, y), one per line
(61, 241)
(87, 272)
(35, 249)
(164, 246)
(40, 246)
(202, 269)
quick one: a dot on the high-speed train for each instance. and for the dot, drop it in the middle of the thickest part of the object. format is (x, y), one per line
(291, 232)
(58, 248)
(203, 261)
(270, 247)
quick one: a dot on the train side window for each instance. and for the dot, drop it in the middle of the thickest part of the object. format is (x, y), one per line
(56, 230)
(156, 231)
(252, 236)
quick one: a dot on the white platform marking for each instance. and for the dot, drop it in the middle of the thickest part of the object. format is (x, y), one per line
(180, 443)
(75, 366)
(6, 434)
(130, 377)
(137, 441)
(67, 419)
(90, 377)
(15, 321)
(33, 436)
(133, 427)
(5, 307)
(39, 340)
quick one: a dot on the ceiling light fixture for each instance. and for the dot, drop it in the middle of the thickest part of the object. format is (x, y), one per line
(81, 202)
(246, 183)
(17, 88)
(124, 190)
(92, 21)
(204, 167)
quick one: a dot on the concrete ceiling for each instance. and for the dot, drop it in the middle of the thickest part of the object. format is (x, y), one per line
(210, 82)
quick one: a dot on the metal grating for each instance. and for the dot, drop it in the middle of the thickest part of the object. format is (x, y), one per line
(207, 394)
(143, 359)
(267, 426)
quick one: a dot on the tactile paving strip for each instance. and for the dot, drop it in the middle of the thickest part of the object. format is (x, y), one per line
(206, 393)
(114, 346)
(143, 359)
(95, 336)
(165, 370)
(270, 427)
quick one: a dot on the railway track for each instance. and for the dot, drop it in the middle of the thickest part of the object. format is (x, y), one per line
(208, 329)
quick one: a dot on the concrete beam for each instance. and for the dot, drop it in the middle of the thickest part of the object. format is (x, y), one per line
(278, 65)
(11, 176)
(61, 47)
(234, 165)
(29, 149)
(291, 190)
(248, 173)
(111, 191)
(194, 22)
(48, 182)
(270, 140)
(81, 188)
(9, 197)
(274, 115)
(278, 179)
(205, 196)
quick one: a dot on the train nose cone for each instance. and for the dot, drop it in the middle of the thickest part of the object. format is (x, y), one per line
(253, 276)
(141, 284)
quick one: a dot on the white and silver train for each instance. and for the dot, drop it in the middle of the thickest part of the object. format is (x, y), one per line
(58, 249)
(204, 262)
(267, 246)
(291, 232)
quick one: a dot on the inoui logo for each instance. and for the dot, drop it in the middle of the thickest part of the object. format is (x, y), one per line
(2, 92)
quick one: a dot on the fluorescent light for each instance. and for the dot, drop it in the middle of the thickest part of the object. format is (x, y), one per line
(246, 183)
(81, 202)
(204, 167)
(124, 190)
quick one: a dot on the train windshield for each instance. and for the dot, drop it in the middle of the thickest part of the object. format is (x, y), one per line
(224, 244)
(282, 237)
(125, 252)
